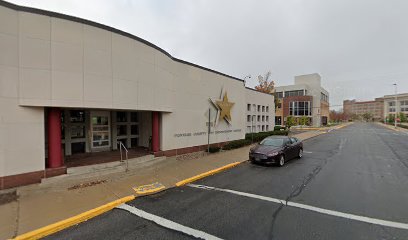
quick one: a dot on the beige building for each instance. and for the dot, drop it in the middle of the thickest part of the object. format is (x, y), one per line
(70, 86)
(376, 108)
(260, 112)
(395, 104)
(306, 98)
(381, 107)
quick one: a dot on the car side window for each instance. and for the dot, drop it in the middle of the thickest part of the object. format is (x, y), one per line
(293, 140)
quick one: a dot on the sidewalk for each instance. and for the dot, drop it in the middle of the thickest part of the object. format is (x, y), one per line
(392, 127)
(39, 205)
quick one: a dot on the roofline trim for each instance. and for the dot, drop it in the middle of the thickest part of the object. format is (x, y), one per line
(270, 94)
(108, 28)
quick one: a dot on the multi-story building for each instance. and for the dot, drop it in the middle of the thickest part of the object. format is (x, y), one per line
(395, 104)
(306, 98)
(375, 108)
(69, 86)
(260, 111)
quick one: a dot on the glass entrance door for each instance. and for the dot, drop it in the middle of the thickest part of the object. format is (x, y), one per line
(100, 129)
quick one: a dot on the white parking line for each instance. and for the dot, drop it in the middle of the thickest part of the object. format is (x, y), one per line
(310, 208)
(307, 152)
(166, 223)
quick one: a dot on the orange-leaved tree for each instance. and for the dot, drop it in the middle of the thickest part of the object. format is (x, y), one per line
(265, 83)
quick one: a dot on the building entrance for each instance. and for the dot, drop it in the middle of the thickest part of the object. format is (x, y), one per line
(100, 130)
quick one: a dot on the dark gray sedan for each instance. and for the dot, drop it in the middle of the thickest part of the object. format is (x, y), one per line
(277, 150)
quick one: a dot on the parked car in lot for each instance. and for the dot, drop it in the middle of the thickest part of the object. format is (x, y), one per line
(276, 149)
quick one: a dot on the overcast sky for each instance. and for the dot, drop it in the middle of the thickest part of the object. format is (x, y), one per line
(359, 47)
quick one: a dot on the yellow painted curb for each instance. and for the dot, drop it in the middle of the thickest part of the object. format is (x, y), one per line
(206, 174)
(149, 188)
(58, 226)
(309, 128)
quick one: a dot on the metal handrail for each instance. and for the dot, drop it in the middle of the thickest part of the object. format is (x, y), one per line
(121, 145)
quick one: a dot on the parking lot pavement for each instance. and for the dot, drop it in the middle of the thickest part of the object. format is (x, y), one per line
(350, 184)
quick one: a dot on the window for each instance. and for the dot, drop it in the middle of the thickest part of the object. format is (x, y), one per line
(121, 130)
(248, 118)
(248, 107)
(259, 108)
(404, 109)
(391, 109)
(300, 108)
(267, 127)
(134, 117)
(324, 97)
(121, 116)
(267, 108)
(294, 93)
(77, 116)
(259, 118)
(402, 103)
(278, 120)
(78, 131)
(134, 130)
(263, 128)
(267, 118)
(391, 104)
(263, 108)
(100, 120)
(279, 94)
(263, 118)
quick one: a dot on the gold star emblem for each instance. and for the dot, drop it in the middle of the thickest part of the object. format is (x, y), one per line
(225, 108)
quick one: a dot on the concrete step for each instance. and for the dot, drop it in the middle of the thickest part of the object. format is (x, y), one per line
(103, 169)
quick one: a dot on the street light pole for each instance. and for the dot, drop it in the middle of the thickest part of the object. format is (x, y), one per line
(396, 107)
(252, 129)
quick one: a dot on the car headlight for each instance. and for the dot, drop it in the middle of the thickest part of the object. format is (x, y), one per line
(273, 154)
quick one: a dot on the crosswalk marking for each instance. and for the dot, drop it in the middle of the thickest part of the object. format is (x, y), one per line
(167, 223)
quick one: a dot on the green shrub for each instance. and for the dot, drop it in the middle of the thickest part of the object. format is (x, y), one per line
(236, 144)
(257, 137)
(278, 128)
(213, 149)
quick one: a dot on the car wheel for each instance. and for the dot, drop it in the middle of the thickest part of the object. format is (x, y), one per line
(281, 161)
(300, 155)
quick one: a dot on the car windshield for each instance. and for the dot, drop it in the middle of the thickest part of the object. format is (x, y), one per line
(277, 142)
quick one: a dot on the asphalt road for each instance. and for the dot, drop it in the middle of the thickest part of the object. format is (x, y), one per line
(352, 183)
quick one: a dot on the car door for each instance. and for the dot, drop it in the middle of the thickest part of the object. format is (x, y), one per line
(296, 146)
(288, 149)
